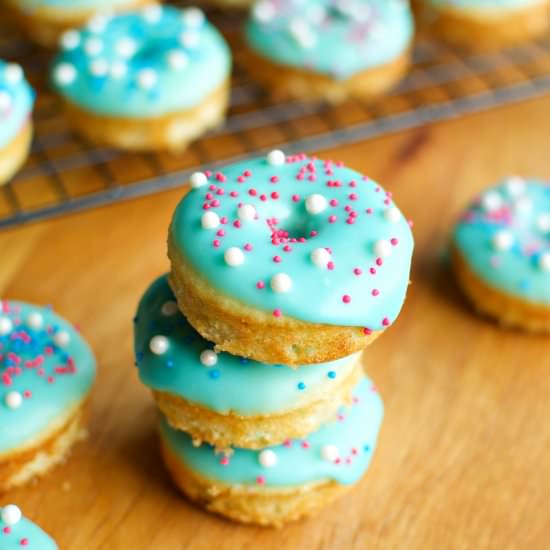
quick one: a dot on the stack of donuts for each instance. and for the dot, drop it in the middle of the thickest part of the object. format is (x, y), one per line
(283, 269)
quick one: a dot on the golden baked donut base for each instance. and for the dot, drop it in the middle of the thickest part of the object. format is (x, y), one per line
(15, 153)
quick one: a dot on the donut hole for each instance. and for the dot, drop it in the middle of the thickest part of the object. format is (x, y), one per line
(296, 225)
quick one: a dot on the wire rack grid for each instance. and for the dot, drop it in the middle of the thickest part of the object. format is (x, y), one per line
(64, 173)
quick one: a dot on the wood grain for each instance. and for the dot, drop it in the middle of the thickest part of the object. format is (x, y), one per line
(464, 456)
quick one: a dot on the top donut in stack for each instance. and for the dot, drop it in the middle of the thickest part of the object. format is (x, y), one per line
(289, 260)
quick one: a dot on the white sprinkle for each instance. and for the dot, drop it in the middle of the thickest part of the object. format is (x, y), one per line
(177, 59)
(98, 23)
(523, 205)
(330, 453)
(276, 158)
(169, 308)
(6, 326)
(62, 338)
(152, 14)
(13, 73)
(99, 67)
(281, 283)
(147, 78)
(515, 186)
(35, 320)
(302, 33)
(5, 101)
(316, 203)
(13, 400)
(193, 17)
(382, 248)
(65, 74)
(320, 257)
(267, 458)
(119, 69)
(543, 222)
(159, 345)
(93, 46)
(189, 39)
(126, 47)
(210, 220)
(11, 515)
(246, 213)
(544, 261)
(208, 357)
(264, 12)
(198, 179)
(491, 201)
(234, 256)
(392, 214)
(503, 240)
(70, 39)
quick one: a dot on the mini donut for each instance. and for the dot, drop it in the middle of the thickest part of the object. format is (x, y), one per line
(46, 372)
(16, 103)
(486, 24)
(154, 79)
(282, 483)
(227, 400)
(289, 260)
(330, 49)
(501, 253)
(17, 532)
(44, 21)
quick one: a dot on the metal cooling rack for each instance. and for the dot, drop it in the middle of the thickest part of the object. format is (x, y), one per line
(64, 173)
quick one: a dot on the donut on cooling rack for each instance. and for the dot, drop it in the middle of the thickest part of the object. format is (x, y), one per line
(147, 80)
(283, 483)
(227, 400)
(330, 49)
(45, 20)
(480, 25)
(16, 103)
(501, 254)
(290, 260)
(46, 372)
(17, 532)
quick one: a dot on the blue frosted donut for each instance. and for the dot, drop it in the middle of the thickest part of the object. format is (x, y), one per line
(16, 101)
(17, 532)
(503, 240)
(338, 38)
(142, 64)
(46, 372)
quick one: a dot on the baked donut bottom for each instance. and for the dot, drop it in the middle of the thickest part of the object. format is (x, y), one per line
(269, 507)
(49, 449)
(509, 311)
(172, 132)
(249, 332)
(45, 24)
(14, 154)
(478, 31)
(285, 82)
(255, 432)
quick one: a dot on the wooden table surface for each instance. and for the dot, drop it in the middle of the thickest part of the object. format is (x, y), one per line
(464, 456)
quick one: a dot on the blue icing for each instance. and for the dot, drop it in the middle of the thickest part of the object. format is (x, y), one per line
(138, 66)
(281, 197)
(235, 384)
(37, 539)
(505, 238)
(354, 437)
(485, 4)
(16, 101)
(336, 38)
(37, 357)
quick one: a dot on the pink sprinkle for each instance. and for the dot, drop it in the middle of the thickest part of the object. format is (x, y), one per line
(223, 220)
(252, 192)
(234, 194)
(369, 210)
(274, 179)
(333, 202)
(248, 247)
(241, 179)
(220, 177)
(385, 322)
(411, 223)
(263, 197)
(312, 177)
(216, 243)
(27, 394)
(394, 241)
(51, 379)
(350, 221)
(330, 265)
(353, 196)
(367, 331)
(24, 542)
(300, 176)
(220, 232)
(372, 270)
(357, 271)
(247, 173)
(348, 208)
(237, 223)
(215, 203)
(7, 530)
(205, 206)
(260, 284)
(209, 196)
(353, 183)
(346, 298)
(274, 195)
(379, 261)
(224, 460)
(260, 480)
(375, 292)
(332, 218)
(287, 443)
(305, 445)
(277, 259)
(313, 233)
(287, 248)
(220, 191)
(295, 198)
(277, 313)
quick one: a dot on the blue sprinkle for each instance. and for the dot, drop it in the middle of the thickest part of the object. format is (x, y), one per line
(214, 374)
(331, 374)
(243, 360)
(301, 386)
(366, 448)
(139, 355)
(169, 363)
